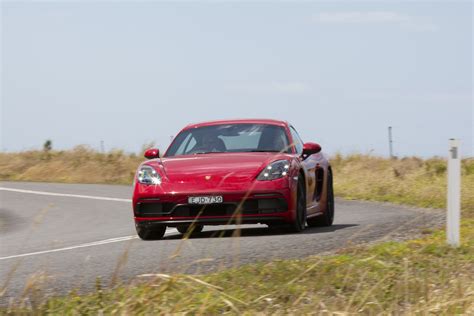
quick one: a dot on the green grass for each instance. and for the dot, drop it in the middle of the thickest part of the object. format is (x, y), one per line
(422, 276)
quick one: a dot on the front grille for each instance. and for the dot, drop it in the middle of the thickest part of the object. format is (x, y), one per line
(148, 209)
(250, 206)
(204, 210)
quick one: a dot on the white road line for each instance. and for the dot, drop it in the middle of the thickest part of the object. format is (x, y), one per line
(67, 195)
(90, 244)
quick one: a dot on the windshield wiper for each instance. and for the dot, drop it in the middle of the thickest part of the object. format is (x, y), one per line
(263, 151)
(208, 152)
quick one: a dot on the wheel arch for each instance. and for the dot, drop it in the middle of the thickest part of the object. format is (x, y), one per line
(330, 174)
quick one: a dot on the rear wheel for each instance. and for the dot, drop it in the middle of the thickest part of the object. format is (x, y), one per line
(300, 219)
(183, 229)
(328, 217)
(150, 233)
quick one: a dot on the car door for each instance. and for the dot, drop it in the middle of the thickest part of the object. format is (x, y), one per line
(309, 165)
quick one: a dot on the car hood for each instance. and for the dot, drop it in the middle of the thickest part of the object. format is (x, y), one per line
(216, 169)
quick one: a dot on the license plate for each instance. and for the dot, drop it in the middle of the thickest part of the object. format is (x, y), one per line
(205, 199)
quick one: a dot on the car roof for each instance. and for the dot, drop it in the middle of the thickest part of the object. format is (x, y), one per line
(238, 121)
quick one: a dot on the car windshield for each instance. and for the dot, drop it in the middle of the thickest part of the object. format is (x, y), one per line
(228, 138)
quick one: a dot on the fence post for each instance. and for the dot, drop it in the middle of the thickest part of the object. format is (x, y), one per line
(454, 194)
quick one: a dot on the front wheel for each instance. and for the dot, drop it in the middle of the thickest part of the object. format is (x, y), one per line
(300, 218)
(150, 233)
(328, 217)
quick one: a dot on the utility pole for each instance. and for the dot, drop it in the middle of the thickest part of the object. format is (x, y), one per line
(390, 141)
(102, 148)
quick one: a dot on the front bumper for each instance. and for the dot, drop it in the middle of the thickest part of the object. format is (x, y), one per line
(211, 221)
(172, 209)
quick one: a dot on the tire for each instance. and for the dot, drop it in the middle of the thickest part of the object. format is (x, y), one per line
(183, 229)
(300, 220)
(150, 233)
(327, 218)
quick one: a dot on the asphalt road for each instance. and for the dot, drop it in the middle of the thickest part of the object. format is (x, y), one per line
(58, 237)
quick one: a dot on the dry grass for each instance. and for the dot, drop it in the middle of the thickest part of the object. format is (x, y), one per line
(411, 181)
(79, 165)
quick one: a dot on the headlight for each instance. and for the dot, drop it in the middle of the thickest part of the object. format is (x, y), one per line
(148, 175)
(275, 170)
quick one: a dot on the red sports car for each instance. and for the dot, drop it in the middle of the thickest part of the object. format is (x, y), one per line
(234, 171)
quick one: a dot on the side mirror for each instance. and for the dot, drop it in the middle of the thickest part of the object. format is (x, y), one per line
(311, 148)
(152, 153)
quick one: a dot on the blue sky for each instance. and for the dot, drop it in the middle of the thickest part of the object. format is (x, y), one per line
(133, 72)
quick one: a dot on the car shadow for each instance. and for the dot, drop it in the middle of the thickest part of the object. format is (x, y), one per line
(258, 231)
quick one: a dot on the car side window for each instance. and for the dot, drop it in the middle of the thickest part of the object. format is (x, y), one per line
(186, 145)
(296, 140)
(190, 146)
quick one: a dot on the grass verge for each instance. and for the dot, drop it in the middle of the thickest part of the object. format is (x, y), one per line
(79, 165)
(421, 276)
(411, 181)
